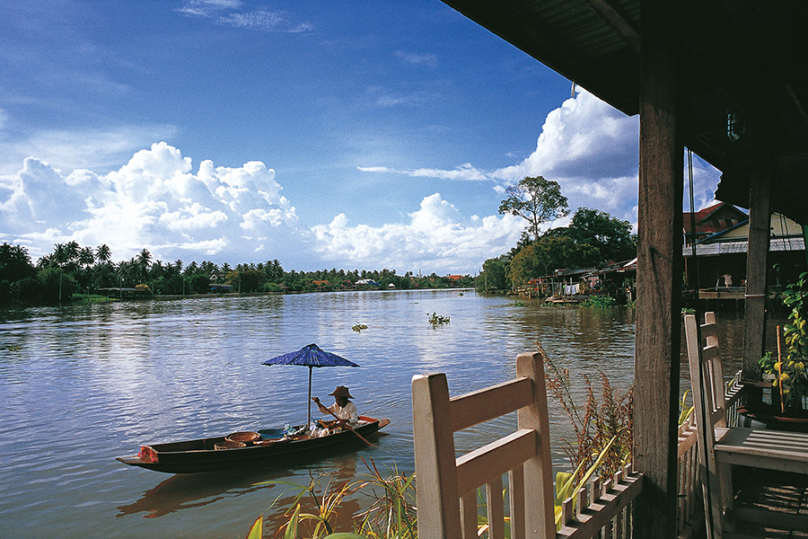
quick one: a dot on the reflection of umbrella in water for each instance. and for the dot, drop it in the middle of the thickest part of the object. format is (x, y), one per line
(310, 356)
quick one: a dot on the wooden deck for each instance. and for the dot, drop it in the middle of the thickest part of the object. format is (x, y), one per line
(783, 495)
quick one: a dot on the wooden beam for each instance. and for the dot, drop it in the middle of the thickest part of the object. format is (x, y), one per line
(659, 270)
(618, 22)
(756, 271)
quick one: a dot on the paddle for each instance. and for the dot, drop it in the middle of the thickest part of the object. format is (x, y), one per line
(343, 422)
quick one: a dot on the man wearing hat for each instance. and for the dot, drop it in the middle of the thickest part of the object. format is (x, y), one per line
(342, 407)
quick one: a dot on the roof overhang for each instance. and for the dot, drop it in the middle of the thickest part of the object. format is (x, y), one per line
(738, 57)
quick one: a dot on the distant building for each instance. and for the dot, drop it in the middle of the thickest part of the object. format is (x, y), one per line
(710, 221)
(724, 254)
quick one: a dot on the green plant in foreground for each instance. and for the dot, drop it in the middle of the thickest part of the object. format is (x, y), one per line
(438, 320)
(358, 327)
(789, 371)
(391, 515)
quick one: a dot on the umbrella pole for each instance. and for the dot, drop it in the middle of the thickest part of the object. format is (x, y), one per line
(308, 416)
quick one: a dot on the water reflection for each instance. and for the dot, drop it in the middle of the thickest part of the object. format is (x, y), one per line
(84, 383)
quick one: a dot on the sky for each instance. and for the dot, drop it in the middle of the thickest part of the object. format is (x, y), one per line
(354, 135)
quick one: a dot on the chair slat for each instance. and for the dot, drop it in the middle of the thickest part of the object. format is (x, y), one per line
(516, 499)
(496, 509)
(486, 404)
(468, 515)
(495, 459)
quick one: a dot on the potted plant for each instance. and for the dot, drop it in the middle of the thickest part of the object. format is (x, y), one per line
(786, 368)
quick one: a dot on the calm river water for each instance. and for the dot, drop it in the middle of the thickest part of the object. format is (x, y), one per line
(83, 384)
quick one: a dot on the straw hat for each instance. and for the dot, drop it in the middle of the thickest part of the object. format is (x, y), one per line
(342, 391)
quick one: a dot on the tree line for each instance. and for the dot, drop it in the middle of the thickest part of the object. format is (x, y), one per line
(72, 269)
(593, 238)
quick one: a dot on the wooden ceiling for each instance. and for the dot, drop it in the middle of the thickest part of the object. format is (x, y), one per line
(740, 57)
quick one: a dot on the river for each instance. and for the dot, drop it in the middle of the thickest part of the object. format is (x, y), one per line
(84, 383)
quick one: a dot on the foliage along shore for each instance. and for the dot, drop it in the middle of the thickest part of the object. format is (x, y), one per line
(86, 272)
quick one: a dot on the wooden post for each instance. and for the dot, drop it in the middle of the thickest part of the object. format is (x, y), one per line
(538, 472)
(659, 270)
(756, 275)
(437, 498)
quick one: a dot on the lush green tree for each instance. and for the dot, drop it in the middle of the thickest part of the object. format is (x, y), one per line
(103, 254)
(199, 283)
(611, 238)
(536, 200)
(86, 257)
(144, 259)
(15, 265)
(168, 284)
(252, 280)
(494, 274)
(526, 265)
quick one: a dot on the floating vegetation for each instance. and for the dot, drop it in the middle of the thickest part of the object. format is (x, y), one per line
(599, 301)
(14, 347)
(438, 320)
(359, 327)
(519, 303)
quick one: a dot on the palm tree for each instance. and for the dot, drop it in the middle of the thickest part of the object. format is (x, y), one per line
(72, 249)
(86, 256)
(59, 256)
(103, 253)
(144, 258)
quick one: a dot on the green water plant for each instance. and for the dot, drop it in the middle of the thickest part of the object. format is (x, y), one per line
(599, 301)
(438, 320)
(358, 327)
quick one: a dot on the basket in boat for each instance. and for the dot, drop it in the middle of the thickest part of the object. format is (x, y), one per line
(245, 437)
(227, 444)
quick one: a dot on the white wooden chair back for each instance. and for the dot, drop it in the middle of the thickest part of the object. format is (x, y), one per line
(710, 412)
(446, 486)
(712, 374)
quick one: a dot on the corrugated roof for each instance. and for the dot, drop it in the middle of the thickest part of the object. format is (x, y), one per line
(735, 247)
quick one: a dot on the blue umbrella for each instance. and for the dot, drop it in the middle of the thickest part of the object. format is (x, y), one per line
(310, 356)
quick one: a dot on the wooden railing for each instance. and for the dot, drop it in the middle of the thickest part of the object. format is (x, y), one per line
(602, 509)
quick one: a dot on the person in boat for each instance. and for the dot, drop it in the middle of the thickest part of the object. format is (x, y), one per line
(343, 408)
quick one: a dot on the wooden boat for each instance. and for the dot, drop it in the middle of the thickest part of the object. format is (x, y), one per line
(263, 448)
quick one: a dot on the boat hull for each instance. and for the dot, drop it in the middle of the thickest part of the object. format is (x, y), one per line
(200, 455)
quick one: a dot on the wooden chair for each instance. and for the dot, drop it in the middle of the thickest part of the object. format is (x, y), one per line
(447, 486)
(722, 447)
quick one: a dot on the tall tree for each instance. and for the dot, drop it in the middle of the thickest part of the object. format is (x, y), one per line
(103, 253)
(15, 263)
(86, 256)
(536, 200)
(610, 236)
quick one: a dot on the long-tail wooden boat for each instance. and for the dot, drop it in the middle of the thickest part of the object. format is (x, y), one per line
(270, 447)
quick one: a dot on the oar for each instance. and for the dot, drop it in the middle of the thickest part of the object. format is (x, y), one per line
(343, 422)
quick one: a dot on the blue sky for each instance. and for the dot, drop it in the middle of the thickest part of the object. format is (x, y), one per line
(351, 135)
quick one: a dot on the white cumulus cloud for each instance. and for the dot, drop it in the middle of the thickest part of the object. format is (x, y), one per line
(436, 236)
(158, 201)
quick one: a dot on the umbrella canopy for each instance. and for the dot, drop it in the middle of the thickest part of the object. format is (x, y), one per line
(310, 356)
